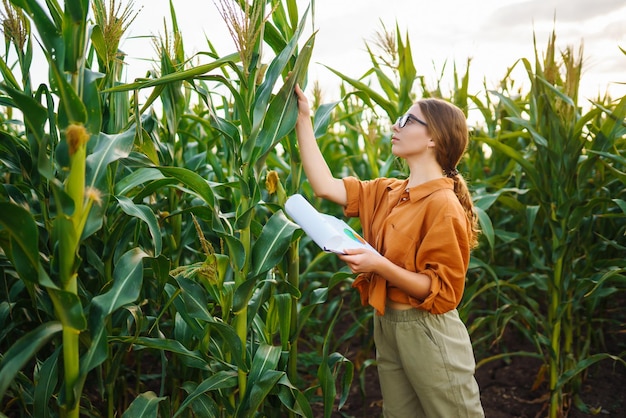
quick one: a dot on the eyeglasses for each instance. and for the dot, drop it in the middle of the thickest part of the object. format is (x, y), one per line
(402, 120)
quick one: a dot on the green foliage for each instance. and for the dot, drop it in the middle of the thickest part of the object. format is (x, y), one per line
(148, 269)
(548, 174)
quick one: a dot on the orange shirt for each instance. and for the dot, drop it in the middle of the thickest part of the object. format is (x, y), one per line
(422, 229)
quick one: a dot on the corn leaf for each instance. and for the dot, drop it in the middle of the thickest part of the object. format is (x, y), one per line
(145, 214)
(46, 385)
(224, 379)
(69, 309)
(280, 117)
(21, 352)
(195, 299)
(144, 406)
(273, 243)
(107, 149)
(21, 225)
(261, 380)
(177, 76)
(194, 182)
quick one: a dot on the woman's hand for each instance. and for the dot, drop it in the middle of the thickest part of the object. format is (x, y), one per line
(362, 261)
(304, 110)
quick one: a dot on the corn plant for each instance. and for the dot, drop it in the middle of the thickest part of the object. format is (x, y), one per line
(243, 280)
(553, 151)
(63, 156)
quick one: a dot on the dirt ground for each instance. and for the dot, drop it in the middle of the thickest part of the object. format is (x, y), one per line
(506, 386)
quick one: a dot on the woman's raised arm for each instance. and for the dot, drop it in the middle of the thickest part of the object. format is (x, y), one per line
(324, 184)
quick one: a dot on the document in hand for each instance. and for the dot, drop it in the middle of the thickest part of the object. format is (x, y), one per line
(330, 233)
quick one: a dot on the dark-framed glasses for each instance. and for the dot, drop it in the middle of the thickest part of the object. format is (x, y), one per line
(402, 120)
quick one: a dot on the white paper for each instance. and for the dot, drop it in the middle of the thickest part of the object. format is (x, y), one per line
(328, 232)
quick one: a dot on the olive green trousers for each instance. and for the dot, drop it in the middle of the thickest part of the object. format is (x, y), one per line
(425, 365)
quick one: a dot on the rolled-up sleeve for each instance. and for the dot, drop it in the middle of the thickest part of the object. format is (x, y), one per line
(353, 193)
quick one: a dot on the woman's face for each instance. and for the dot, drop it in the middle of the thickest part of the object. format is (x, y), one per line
(410, 135)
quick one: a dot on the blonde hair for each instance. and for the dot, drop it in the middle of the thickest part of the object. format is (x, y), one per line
(448, 127)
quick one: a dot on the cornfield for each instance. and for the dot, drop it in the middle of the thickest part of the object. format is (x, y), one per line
(147, 267)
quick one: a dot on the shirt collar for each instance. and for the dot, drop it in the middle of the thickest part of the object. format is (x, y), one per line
(422, 190)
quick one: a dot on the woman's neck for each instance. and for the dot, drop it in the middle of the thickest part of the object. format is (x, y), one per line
(424, 171)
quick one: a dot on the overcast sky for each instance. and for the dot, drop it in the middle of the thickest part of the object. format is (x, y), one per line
(494, 33)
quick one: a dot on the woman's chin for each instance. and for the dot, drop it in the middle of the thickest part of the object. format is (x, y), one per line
(395, 150)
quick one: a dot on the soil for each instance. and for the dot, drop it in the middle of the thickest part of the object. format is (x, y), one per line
(510, 388)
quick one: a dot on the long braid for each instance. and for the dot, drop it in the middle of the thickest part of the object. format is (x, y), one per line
(462, 193)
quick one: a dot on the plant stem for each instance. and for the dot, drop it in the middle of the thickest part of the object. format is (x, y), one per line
(293, 276)
(555, 340)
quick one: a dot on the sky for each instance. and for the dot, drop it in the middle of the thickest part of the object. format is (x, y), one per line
(493, 33)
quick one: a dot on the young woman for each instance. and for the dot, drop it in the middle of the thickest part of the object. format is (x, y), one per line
(423, 228)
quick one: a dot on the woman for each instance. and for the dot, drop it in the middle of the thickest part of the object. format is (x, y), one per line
(423, 228)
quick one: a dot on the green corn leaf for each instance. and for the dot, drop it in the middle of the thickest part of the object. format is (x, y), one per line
(195, 299)
(262, 379)
(324, 373)
(621, 203)
(8, 77)
(145, 214)
(274, 71)
(322, 118)
(233, 343)
(280, 117)
(92, 100)
(35, 115)
(293, 399)
(519, 158)
(106, 149)
(583, 365)
(205, 406)
(69, 309)
(389, 86)
(407, 72)
(144, 406)
(606, 276)
(71, 107)
(192, 357)
(259, 391)
(20, 353)
(284, 305)
(509, 104)
(193, 181)
(25, 237)
(327, 384)
(243, 293)
(98, 43)
(486, 227)
(127, 279)
(177, 76)
(273, 243)
(240, 106)
(137, 178)
(77, 10)
(74, 33)
(388, 106)
(224, 379)
(46, 385)
(347, 377)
